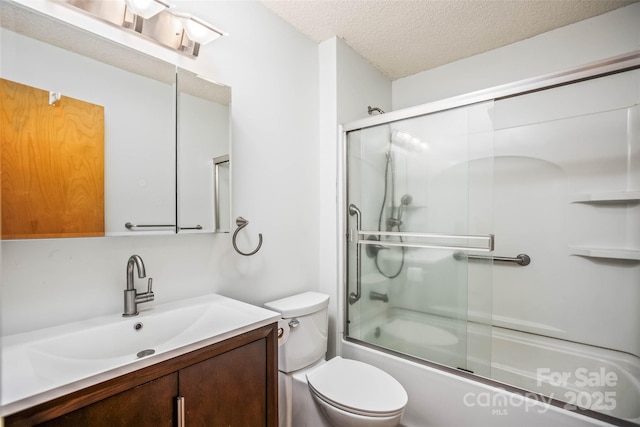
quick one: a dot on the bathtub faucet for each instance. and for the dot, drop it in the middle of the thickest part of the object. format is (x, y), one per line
(377, 296)
(131, 297)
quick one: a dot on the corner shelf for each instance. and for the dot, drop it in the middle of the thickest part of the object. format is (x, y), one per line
(606, 197)
(622, 254)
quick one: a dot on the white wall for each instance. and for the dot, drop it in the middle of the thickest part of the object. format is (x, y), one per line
(600, 37)
(348, 84)
(273, 71)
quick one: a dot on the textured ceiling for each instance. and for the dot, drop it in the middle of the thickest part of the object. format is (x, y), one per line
(404, 37)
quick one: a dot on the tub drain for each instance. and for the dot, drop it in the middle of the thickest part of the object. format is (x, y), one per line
(144, 353)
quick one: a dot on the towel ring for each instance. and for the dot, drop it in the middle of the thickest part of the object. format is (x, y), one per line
(242, 223)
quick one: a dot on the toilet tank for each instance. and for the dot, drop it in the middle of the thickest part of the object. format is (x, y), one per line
(306, 315)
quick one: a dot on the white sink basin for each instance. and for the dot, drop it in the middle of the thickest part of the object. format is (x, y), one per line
(121, 336)
(54, 361)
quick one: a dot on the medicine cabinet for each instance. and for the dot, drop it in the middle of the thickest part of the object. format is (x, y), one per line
(162, 127)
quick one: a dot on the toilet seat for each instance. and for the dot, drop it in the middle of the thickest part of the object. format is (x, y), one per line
(358, 388)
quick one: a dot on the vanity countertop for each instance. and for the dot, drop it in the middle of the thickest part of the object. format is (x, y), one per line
(41, 365)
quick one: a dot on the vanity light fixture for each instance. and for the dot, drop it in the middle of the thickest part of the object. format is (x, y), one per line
(198, 30)
(155, 20)
(146, 8)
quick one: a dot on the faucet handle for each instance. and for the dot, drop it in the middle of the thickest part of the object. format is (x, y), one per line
(149, 286)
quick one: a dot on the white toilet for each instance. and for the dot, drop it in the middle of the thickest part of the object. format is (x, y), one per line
(318, 393)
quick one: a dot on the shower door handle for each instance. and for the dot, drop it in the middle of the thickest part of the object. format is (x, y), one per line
(488, 240)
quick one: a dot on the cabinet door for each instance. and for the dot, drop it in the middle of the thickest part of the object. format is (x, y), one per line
(150, 404)
(228, 390)
(203, 135)
(140, 150)
(137, 94)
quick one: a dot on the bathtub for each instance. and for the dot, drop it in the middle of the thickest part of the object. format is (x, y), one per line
(545, 369)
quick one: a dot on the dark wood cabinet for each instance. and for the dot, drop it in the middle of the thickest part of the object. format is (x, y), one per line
(150, 404)
(230, 383)
(230, 396)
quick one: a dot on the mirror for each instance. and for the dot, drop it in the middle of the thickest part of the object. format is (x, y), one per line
(203, 137)
(138, 94)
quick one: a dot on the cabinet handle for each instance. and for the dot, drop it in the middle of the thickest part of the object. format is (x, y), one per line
(197, 227)
(133, 227)
(180, 410)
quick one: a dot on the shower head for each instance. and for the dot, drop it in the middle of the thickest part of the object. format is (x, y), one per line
(372, 110)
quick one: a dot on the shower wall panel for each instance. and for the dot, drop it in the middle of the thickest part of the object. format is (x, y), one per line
(566, 192)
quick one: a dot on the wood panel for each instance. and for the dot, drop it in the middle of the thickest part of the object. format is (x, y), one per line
(52, 165)
(229, 390)
(147, 405)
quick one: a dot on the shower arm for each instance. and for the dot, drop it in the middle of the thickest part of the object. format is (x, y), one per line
(353, 297)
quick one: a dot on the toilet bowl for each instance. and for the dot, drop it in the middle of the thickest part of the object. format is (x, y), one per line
(335, 393)
(355, 394)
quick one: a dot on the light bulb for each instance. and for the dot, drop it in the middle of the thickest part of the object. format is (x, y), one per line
(146, 8)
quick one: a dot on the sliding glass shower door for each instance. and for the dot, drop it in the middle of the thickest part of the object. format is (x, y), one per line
(420, 209)
(551, 167)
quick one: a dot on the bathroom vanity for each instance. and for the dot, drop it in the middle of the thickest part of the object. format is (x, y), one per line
(219, 368)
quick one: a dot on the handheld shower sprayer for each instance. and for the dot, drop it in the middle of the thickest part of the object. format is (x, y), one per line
(396, 221)
(404, 202)
(394, 215)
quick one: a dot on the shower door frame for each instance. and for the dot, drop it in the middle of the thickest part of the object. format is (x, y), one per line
(613, 65)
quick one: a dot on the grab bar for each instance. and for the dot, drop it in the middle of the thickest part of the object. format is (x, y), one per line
(520, 259)
(489, 240)
(133, 227)
(353, 297)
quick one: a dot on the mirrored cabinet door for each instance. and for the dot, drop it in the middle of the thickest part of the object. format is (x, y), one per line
(162, 128)
(136, 94)
(203, 135)
(140, 153)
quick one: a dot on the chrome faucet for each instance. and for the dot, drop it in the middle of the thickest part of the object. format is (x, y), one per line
(131, 297)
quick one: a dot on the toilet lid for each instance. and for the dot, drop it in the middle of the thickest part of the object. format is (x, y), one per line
(357, 387)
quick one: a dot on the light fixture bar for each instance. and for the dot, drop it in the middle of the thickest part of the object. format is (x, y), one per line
(155, 20)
